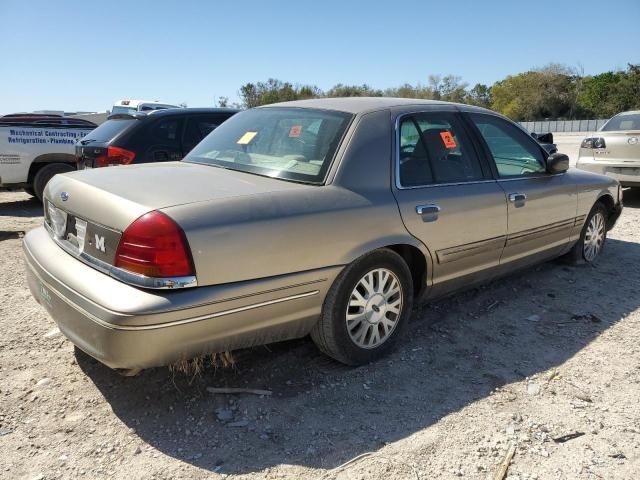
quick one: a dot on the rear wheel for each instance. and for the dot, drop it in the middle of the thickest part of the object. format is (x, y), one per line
(45, 174)
(592, 237)
(366, 309)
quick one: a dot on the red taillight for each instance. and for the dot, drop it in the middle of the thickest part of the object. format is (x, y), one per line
(154, 246)
(115, 156)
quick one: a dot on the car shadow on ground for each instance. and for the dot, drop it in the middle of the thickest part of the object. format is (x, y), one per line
(631, 197)
(456, 351)
(23, 208)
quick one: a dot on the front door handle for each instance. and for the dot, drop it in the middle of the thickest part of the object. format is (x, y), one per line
(429, 212)
(518, 199)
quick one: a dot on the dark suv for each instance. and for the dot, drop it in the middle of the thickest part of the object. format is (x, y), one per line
(156, 136)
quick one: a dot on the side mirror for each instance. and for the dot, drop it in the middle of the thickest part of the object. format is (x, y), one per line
(557, 163)
(543, 137)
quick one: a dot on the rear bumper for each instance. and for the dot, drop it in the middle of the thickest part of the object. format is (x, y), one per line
(126, 327)
(628, 174)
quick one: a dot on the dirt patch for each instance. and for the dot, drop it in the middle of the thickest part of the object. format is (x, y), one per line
(531, 360)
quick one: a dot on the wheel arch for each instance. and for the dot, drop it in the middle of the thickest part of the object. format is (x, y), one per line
(415, 254)
(47, 159)
(606, 199)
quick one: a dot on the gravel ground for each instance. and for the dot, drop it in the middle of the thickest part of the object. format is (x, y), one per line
(534, 357)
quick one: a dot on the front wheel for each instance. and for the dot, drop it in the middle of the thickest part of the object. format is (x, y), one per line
(592, 238)
(366, 309)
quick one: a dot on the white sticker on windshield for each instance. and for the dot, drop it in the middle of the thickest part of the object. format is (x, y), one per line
(246, 138)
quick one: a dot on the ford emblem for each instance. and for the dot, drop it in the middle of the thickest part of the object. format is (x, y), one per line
(64, 196)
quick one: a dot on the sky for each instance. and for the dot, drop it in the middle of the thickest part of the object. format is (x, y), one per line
(84, 55)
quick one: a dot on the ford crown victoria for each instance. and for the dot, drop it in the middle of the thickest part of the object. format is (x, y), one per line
(328, 217)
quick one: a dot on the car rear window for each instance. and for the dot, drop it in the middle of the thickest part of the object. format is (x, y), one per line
(623, 122)
(289, 143)
(109, 129)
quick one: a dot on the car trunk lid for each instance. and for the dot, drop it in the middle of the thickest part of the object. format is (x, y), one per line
(87, 211)
(620, 146)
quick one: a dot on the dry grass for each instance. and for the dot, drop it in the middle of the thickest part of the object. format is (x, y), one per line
(195, 366)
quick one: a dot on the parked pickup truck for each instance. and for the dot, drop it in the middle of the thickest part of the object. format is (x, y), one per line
(33, 148)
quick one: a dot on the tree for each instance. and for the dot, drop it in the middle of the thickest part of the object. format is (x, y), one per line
(479, 95)
(451, 89)
(273, 91)
(363, 90)
(548, 92)
(609, 93)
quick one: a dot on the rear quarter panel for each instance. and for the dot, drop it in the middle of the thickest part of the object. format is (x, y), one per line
(590, 187)
(280, 232)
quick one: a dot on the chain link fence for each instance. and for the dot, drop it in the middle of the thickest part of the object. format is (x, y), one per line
(554, 126)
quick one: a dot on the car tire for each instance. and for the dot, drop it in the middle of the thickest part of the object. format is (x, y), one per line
(45, 174)
(366, 309)
(592, 237)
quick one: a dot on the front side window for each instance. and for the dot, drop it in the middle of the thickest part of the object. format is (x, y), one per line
(290, 143)
(514, 152)
(434, 149)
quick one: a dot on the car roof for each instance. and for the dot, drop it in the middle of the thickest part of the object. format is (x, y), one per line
(364, 104)
(630, 112)
(169, 112)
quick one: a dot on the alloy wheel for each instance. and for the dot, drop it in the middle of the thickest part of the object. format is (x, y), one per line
(594, 237)
(374, 308)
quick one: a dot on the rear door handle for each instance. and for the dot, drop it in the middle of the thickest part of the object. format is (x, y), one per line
(518, 198)
(429, 212)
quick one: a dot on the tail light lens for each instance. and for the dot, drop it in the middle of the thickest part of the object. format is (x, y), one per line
(593, 142)
(115, 156)
(155, 246)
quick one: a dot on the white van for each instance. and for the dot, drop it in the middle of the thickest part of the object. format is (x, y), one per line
(132, 106)
(34, 148)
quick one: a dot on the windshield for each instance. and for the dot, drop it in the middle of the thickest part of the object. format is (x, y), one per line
(117, 110)
(623, 122)
(109, 129)
(289, 143)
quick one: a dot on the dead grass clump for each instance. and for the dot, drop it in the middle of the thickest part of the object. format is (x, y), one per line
(195, 366)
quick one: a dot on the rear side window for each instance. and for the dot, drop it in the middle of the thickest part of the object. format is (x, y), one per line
(435, 149)
(167, 131)
(110, 129)
(514, 152)
(199, 127)
(623, 122)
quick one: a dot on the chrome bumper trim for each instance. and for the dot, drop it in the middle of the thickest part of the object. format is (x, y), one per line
(120, 274)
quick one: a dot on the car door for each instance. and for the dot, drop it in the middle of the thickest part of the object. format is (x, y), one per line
(448, 199)
(541, 206)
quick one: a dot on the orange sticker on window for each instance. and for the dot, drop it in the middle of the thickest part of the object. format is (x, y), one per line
(295, 131)
(448, 139)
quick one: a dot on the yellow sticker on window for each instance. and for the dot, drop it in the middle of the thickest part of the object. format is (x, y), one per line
(246, 138)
